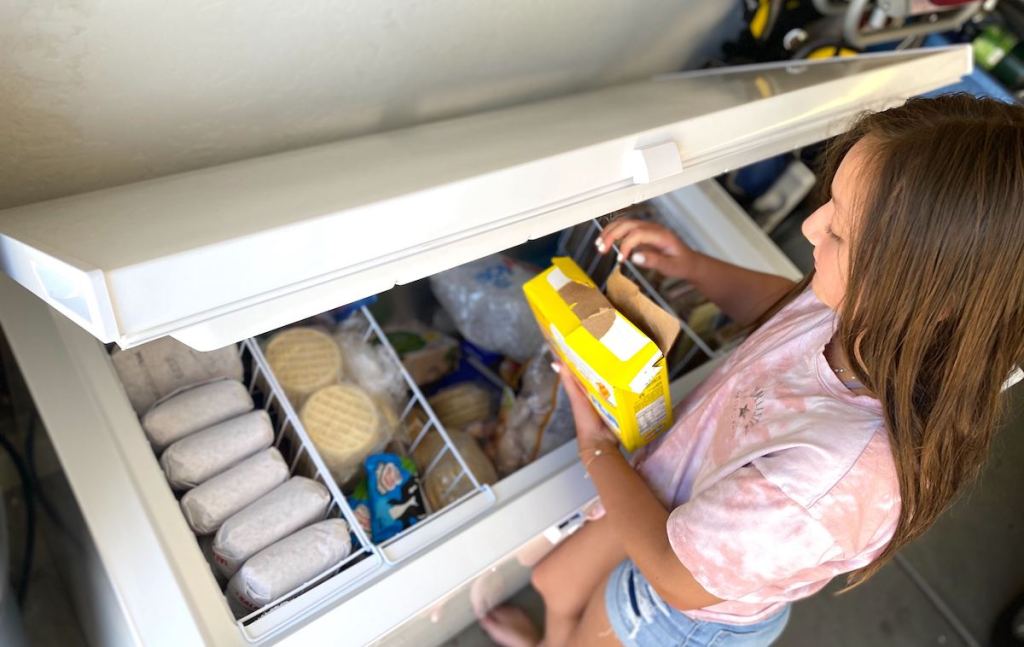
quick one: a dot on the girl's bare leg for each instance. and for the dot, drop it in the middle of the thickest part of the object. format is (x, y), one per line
(566, 579)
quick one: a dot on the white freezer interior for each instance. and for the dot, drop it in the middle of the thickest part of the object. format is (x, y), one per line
(150, 553)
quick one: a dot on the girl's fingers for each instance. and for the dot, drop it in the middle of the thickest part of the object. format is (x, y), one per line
(582, 412)
(649, 259)
(614, 232)
(661, 240)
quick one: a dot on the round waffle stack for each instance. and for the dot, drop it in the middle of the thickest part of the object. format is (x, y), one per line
(304, 360)
(344, 424)
(461, 405)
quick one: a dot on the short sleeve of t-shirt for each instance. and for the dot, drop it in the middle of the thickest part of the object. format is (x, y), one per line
(743, 533)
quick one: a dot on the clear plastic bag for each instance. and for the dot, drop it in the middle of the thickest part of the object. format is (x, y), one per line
(369, 365)
(485, 300)
(539, 420)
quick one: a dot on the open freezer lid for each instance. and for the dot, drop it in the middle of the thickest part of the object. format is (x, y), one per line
(216, 255)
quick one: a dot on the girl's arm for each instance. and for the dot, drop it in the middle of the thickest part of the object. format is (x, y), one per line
(740, 293)
(635, 514)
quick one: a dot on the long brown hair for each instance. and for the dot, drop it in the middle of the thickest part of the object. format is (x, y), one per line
(933, 315)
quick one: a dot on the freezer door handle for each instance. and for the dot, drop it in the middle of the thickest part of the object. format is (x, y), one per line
(655, 162)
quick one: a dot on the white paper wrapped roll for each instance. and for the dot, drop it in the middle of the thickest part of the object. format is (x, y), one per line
(204, 454)
(290, 506)
(193, 409)
(158, 368)
(207, 506)
(283, 566)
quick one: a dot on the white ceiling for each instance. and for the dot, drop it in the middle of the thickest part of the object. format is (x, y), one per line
(98, 93)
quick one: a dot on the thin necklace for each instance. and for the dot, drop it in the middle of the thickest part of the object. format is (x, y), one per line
(837, 370)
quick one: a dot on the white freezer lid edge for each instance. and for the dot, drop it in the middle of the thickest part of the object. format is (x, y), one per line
(216, 255)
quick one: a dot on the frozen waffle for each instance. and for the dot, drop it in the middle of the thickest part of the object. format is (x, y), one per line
(461, 405)
(304, 360)
(344, 423)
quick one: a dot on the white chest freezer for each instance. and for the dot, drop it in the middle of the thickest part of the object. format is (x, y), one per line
(216, 256)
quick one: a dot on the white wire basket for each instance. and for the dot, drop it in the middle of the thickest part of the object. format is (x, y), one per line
(366, 559)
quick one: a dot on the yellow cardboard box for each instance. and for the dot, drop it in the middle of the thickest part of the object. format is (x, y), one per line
(615, 343)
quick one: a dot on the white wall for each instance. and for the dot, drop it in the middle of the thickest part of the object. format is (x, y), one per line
(95, 93)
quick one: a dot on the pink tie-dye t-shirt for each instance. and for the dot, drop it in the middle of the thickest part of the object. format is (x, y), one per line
(778, 477)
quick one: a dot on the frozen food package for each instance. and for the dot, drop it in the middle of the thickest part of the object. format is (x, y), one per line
(207, 506)
(359, 501)
(485, 299)
(206, 453)
(460, 405)
(294, 504)
(288, 563)
(410, 428)
(196, 408)
(156, 369)
(369, 365)
(539, 420)
(344, 423)
(393, 493)
(304, 360)
(444, 482)
(427, 354)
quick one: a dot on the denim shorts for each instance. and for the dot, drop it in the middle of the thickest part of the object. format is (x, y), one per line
(641, 618)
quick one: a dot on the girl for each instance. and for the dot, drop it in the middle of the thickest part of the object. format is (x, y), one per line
(862, 403)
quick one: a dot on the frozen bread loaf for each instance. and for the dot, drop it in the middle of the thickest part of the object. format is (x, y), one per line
(207, 506)
(204, 454)
(193, 409)
(344, 423)
(284, 565)
(304, 360)
(294, 504)
(158, 368)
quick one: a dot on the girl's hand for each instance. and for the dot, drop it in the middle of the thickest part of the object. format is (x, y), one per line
(649, 245)
(591, 432)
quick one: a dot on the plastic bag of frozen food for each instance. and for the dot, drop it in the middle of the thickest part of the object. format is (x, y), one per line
(539, 420)
(427, 354)
(370, 366)
(485, 299)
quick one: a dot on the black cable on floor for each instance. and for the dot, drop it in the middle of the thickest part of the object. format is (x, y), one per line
(30, 518)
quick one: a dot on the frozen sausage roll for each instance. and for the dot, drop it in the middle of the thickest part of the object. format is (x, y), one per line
(283, 566)
(293, 505)
(204, 454)
(193, 409)
(158, 368)
(207, 506)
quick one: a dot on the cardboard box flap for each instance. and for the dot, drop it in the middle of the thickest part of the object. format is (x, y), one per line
(661, 326)
(595, 312)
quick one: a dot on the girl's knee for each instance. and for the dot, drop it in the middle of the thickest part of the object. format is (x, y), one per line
(557, 588)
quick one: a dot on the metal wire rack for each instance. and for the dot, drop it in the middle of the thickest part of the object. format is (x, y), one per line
(465, 495)
(578, 243)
